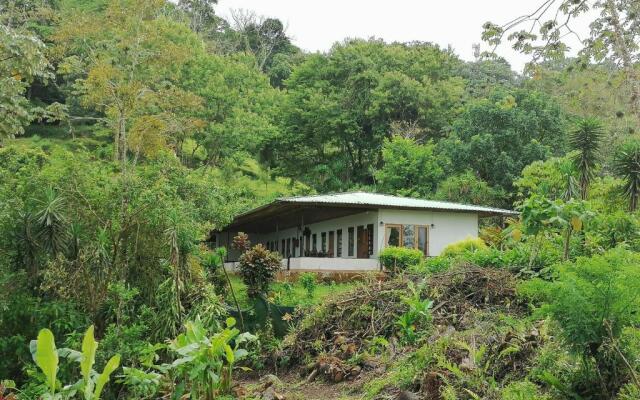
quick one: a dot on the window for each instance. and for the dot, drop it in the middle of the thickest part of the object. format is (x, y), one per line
(324, 242)
(410, 236)
(422, 239)
(392, 234)
(350, 241)
(282, 249)
(370, 239)
(314, 245)
(288, 252)
(339, 244)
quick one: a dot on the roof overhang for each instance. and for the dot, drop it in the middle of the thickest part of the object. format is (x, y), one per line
(286, 213)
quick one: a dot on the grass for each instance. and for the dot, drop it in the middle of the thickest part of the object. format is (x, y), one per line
(292, 294)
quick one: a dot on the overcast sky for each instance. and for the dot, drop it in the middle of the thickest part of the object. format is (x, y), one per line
(315, 25)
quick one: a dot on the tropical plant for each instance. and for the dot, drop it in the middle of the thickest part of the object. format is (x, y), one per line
(585, 139)
(627, 166)
(417, 317)
(47, 357)
(206, 363)
(258, 268)
(469, 244)
(593, 301)
(309, 282)
(395, 259)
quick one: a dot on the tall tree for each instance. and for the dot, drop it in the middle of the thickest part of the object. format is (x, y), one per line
(341, 106)
(585, 139)
(132, 55)
(627, 166)
(614, 36)
(22, 60)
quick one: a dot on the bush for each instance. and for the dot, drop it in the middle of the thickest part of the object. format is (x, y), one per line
(594, 300)
(309, 282)
(434, 264)
(463, 246)
(523, 390)
(258, 268)
(399, 258)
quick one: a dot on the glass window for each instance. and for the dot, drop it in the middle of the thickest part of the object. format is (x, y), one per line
(408, 236)
(339, 244)
(422, 239)
(288, 252)
(314, 240)
(350, 241)
(392, 233)
(324, 242)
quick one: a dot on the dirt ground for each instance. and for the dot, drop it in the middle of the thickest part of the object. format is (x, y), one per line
(292, 386)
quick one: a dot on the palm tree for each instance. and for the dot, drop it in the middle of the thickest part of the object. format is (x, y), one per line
(626, 164)
(585, 139)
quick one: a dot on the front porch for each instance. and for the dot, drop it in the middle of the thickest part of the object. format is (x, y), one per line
(321, 264)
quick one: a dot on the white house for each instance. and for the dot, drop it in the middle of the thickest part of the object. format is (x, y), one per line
(344, 232)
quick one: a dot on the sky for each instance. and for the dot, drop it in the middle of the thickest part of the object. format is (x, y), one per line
(316, 25)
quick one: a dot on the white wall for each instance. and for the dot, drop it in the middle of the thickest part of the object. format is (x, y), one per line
(448, 227)
(344, 223)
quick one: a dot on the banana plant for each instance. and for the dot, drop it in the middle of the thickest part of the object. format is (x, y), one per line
(207, 362)
(47, 358)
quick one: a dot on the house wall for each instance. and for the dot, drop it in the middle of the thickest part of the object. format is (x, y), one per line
(448, 227)
(444, 228)
(344, 223)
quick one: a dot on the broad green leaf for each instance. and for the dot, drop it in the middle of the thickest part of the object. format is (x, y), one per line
(229, 353)
(231, 322)
(46, 357)
(89, 347)
(102, 380)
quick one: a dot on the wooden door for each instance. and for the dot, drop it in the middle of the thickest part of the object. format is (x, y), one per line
(363, 242)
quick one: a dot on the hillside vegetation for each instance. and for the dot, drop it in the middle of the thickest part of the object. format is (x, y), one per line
(129, 129)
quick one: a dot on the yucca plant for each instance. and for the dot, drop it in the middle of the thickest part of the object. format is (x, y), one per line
(51, 223)
(585, 139)
(627, 166)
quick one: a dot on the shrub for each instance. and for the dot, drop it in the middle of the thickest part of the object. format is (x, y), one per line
(593, 301)
(523, 390)
(463, 246)
(309, 282)
(434, 264)
(399, 258)
(206, 363)
(258, 267)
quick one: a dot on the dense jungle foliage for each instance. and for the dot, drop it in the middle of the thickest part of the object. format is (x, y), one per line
(129, 129)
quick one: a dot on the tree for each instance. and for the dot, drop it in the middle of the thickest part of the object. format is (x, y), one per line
(626, 164)
(467, 188)
(498, 136)
(409, 169)
(340, 107)
(132, 56)
(22, 60)
(585, 139)
(614, 36)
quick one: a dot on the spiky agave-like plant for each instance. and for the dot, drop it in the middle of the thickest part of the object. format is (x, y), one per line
(626, 164)
(585, 139)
